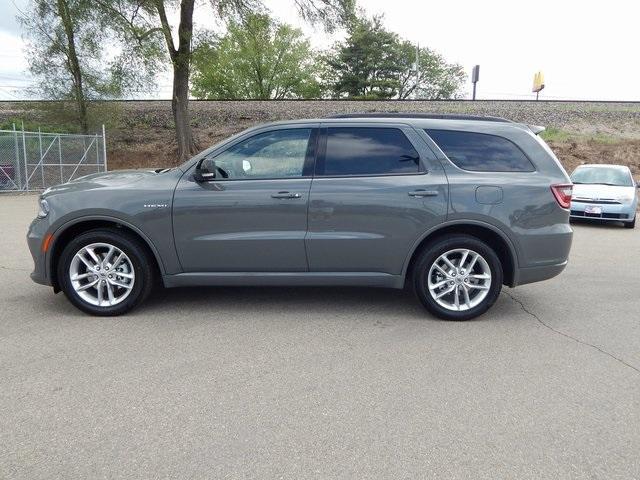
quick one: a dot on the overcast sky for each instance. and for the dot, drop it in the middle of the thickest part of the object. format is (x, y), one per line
(586, 49)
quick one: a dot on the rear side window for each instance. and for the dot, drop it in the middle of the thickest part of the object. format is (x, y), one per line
(368, 151)
(480, 152)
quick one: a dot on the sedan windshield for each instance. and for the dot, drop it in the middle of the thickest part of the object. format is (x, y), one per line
(602, 176)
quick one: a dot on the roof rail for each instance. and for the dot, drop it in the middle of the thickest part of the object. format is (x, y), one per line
(436, 116)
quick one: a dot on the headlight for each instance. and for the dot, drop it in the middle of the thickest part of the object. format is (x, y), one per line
(625, 199)
(43, 210)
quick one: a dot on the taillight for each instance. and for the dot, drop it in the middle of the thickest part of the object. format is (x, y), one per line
(562, 192)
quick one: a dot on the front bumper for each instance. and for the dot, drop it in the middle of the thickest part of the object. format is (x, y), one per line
(35, 237)
(610, 212)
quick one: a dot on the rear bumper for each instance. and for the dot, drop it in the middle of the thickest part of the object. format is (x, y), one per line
(538, 273)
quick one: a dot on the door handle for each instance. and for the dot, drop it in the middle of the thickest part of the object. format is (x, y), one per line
(423, 193)
(286, 195)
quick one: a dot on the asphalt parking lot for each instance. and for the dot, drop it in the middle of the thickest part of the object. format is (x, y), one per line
(324, 382)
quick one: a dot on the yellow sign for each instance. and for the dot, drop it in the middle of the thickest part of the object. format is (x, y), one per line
(538, 82)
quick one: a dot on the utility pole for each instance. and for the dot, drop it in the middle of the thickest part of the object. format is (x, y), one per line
(415, 90)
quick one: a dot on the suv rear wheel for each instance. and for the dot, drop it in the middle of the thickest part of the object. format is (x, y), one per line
(458, 277)
(105, 272)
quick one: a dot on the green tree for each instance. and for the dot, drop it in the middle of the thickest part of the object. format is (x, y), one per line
(434, 79)
(145, 18)
(373, 62)
(257, 58)
(365, 64)
(67, 58)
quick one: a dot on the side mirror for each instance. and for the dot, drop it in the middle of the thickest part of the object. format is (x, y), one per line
(205, 170)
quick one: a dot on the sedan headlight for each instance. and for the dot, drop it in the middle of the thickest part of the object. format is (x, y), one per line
(625, 198)
(43, 209)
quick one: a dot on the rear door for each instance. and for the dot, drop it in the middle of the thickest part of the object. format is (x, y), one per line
(377, 188)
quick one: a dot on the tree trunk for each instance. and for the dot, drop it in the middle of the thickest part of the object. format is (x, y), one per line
(74, 65)
(180, 108)
(181, 61)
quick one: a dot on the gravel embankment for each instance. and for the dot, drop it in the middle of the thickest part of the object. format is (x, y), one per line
(142, 131)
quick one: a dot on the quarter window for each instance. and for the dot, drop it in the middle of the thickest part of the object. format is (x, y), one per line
(275, 154)
(481, 152)
(368, 151)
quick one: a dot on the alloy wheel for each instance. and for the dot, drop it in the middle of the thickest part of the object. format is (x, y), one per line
(101, 274)
(459, 279)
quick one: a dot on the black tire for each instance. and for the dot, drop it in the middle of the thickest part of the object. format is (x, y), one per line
(440, 246)
(127, 243)
(632, 223)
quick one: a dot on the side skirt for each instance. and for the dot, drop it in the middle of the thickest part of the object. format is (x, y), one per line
(293, 279)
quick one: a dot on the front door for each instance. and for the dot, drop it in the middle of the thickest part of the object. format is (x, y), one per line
(377, 190)
(252, 217)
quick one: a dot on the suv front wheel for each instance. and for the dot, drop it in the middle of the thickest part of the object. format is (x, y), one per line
(105, 272)
(458, 277)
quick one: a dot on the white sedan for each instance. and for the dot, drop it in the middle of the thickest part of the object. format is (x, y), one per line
(604, 192)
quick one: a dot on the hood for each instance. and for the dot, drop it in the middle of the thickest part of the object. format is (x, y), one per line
(590, 191)
(113, 179)
(116, 177)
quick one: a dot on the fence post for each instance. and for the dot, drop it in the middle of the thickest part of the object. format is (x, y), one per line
(17, 145)
(104, 147)
(26, 169)
(41, 162)
(60, 158)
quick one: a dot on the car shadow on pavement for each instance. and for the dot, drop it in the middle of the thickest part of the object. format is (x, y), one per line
(253, 302)
(331, 302)
(292, 300)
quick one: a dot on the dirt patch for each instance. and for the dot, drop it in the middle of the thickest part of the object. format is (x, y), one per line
(574, 153)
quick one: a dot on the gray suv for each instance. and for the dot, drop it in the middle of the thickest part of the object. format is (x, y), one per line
(451, 206)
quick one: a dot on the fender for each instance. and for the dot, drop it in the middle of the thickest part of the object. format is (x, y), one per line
(512, 250)
(87, 218)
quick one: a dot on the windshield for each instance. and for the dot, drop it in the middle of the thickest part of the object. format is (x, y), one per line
(602, 176)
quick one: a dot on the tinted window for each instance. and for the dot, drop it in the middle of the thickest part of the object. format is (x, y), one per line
(276, 154)
(481, 152)
(368, 151)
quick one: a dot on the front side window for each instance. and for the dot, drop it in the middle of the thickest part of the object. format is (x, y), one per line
(275, 154)
(368, 151)
(481, 152)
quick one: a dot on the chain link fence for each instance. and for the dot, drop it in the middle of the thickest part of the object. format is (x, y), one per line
(32, 161)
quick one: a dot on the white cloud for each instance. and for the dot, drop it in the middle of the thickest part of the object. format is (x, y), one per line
(13, 66)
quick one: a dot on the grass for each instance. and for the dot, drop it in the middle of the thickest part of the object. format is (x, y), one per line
(32, 126)
(554, 134)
